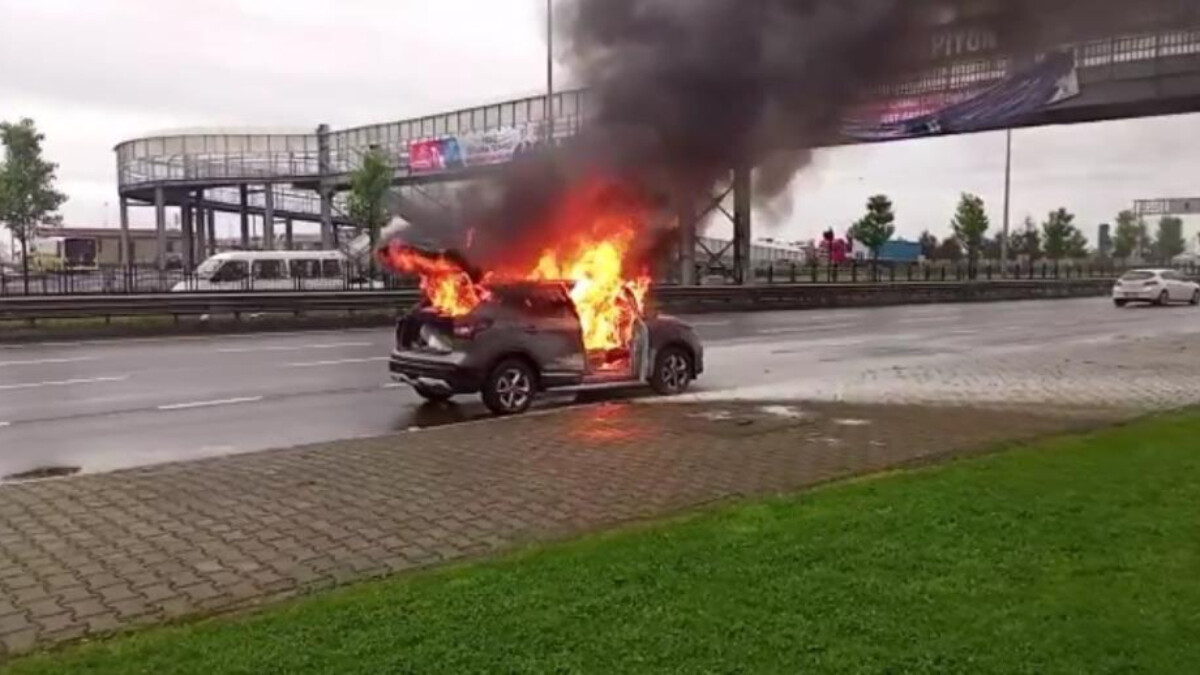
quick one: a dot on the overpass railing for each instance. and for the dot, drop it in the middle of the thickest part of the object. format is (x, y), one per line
(240, 157)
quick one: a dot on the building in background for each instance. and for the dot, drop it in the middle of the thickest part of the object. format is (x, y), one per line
(143, 244)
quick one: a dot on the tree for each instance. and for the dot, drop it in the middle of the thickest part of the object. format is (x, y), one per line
(1061, 235)
(970, 224)
(877, 227)
(369, 186)
(1170, 238)
(950, 250)
(1126, 239)
(27, 195)
(1077, 245)
(929, 245)
(1028, 242)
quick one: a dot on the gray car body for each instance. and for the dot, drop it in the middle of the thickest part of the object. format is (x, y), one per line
(545, 332)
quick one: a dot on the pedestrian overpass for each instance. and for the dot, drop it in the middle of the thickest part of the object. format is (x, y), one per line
(304, 177)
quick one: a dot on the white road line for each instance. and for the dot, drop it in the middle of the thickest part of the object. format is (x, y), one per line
(45, 362)
(709, 324)
(5, 424)
(340, 362)
(805, 329)
(210, 404)
(297, 348)
(62, 383)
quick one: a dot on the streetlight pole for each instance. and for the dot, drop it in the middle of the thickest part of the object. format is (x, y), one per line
(1007, 202)
(549, 72)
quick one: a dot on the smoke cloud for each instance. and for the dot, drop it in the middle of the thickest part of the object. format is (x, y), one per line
(682, 91)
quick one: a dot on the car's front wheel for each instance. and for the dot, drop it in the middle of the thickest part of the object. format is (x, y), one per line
(1120, 303)
(1195, 298)
(672, 372)
(1164, 299)
(510, 388)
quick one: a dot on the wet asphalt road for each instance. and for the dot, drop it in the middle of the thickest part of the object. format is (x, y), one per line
(109, 405)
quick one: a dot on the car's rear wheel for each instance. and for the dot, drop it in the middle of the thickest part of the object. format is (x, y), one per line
(672, 372)
(432, 395)
(1195, 298)
(1120, 303)
(1163, 299)
(510, 388)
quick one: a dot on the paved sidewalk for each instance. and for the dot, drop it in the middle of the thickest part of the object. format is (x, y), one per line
(89, 555)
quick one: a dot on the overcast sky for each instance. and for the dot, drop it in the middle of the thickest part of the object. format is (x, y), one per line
(96, 72)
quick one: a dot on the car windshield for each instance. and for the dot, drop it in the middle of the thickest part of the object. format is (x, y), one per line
(208, 269)
(1138, 276)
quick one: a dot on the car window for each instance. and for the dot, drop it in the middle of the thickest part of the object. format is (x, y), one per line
(231, 271)
(305, 269)
(331, 269)
(1173, 276)
(268, 270)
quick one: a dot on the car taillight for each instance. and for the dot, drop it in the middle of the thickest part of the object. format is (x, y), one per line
(467, 330)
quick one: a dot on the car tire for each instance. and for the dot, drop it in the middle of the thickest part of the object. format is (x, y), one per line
(1120, 303)
(510, 388)
(1164, 299)
(1195, 299)
(672, 372)
(433, 396)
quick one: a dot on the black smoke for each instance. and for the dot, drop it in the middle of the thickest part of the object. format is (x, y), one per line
(683, 91)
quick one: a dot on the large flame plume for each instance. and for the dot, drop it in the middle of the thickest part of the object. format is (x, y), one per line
(591, 245)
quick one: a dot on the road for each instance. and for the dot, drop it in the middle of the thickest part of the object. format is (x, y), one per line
(107, 405)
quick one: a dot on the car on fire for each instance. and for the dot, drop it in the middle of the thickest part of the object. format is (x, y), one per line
(526, 338)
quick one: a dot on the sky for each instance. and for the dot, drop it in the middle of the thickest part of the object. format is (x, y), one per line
(93, 73)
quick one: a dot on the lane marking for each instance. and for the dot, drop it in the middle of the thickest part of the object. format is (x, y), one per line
(5, 424)
(210, 404)
(340, 362)
(63, 383)
(297, 348)
(395, 385)
(709, 324)
(45, 362)
(806, 329)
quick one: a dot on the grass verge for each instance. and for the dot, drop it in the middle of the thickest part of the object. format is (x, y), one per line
(1076, 555)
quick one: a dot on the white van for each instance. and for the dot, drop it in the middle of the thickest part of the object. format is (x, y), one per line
(274, 271)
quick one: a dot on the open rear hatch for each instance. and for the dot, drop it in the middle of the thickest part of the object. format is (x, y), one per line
(425, 330)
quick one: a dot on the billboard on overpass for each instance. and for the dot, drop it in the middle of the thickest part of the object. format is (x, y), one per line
(470, 150)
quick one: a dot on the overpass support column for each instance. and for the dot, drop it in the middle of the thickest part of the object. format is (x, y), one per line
(212, 232)
(289, 240)
(201, 245)
(742, 238)
(268, 217)
(125, 258)
(687, 244)
(244, 213)
(160, 228)
(189, 249)
(325, 168)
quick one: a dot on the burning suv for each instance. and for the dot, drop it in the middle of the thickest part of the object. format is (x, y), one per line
(522, 338)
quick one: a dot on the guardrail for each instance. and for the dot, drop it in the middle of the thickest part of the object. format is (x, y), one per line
(694, 299)
(144, 280)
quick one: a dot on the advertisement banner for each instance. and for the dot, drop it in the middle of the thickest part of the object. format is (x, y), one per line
(470, 150)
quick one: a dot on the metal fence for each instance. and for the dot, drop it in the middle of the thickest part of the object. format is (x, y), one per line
(146, 281)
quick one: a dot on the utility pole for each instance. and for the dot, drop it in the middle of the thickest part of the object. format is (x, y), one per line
(1007, 202)
(549, 72)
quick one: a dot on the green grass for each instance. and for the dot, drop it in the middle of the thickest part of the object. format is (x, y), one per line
(1080, 555)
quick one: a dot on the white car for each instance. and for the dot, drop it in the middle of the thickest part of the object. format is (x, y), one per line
(1157, 287)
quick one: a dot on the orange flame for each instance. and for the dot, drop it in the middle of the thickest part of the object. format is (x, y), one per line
(592, 255)
(445, 283)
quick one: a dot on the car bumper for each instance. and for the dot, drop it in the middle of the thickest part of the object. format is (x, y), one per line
(441, 373)
(1137, 294)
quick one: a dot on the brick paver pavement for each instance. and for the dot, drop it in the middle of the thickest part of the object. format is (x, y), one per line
(92, 554)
